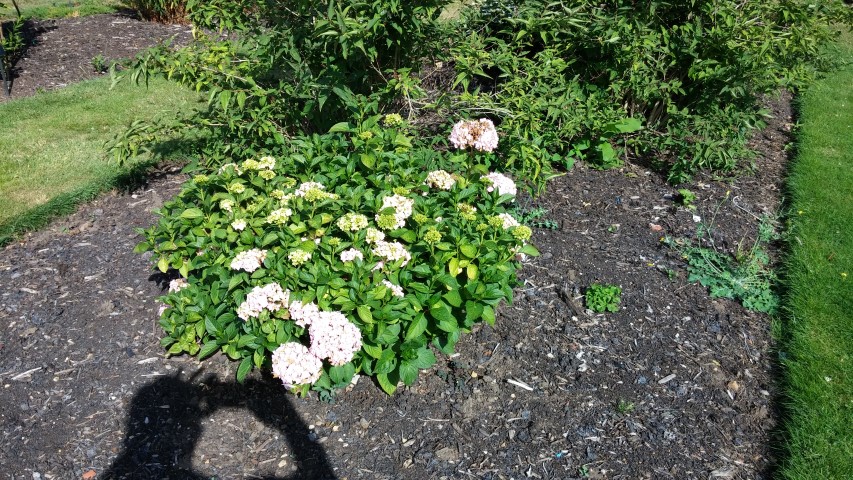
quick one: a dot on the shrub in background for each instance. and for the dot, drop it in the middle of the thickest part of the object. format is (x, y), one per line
(582, 75)
(355, 252)
(163, 11)
(287, 68)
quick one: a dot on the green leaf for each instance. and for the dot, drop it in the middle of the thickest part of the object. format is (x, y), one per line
(473, 311)
(453, 266)
(192, 213)
(468, 250)
(372, 350)
(208, 349)
(244, 369)
(416, 328)
(529, 249)
(387, 385)
(340, 127)
(342, 375)
(408, 373)
(453, 298)
(364, 314)
(489, 315)
(472, 271)
(426, 358)
(163, 264)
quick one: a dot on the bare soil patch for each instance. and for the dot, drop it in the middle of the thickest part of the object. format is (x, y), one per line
(674, 386)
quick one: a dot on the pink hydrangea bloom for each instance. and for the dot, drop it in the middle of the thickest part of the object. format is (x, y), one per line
(293, 364)
(304, 314)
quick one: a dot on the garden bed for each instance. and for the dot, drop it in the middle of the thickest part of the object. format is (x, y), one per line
(674, 385)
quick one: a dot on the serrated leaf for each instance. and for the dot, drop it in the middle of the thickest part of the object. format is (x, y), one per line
(472, 271)
(468, 250)
(372, 350)
(529, 249)
(342, 375)
(426, 358)
(163, 264)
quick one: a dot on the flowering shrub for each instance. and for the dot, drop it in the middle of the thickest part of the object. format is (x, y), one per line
(355, 253)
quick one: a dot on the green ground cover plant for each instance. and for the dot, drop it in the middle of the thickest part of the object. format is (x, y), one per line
(355, 252)
(52, 146)
(816, 344)
(671, 82)
(602, 298)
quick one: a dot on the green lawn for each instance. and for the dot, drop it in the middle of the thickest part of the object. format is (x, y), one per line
(57, 9)
(52, 151)
(817, 332)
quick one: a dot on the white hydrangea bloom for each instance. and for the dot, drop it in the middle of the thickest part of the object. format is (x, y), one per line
(396, 290)
(508, 220)
(177, 285)
(249, 260)
(374, 236)
(270, 297)
(351, 254)
(335, 338)
(238, 225)
(392, 251)
(293, 364)
(500, 182)
(440, 179)
(352, 222)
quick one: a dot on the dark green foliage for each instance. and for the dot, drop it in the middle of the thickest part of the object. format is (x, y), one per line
(293, 67)
(563, 76)
(164, 11)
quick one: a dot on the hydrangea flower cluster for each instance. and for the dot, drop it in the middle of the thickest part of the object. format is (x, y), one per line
(334, 338)
(351, 254)
(293, 364)
(392, 251)
(270, 297)
(313, 192)
(298, 257)
(402, 210)
(374, 236)
(250, 260)
(396, 290)
(279, 216)
(480, 135)
(177, 285)
(238, 225)
(508, 221)
(500, 182)
(352, 222)
(440, 179)
(227, 205)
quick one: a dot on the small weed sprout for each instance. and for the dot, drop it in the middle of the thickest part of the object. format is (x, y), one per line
(533, 217)
(686, 198)
(99, 64)
(603, 298)
(624, 406)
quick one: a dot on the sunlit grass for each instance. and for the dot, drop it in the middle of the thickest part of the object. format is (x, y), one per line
(817, 333)
(57, 8)
(52, 145)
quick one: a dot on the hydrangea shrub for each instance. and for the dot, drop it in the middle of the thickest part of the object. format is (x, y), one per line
(353, 253)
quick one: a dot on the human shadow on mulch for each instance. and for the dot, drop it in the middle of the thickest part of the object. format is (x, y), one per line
(164, 425)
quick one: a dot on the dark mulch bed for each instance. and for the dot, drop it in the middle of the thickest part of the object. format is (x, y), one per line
(61, 51)
(674, 386)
